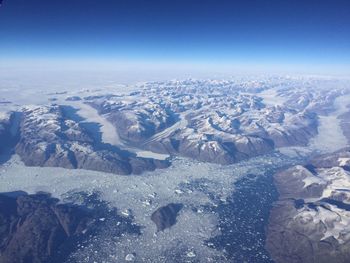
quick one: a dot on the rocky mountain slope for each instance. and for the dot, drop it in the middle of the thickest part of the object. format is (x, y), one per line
(310, 221)
(35, 228)
(55, 136)
(219, 121)
(8, 129)
(216, 121)
(39, 228)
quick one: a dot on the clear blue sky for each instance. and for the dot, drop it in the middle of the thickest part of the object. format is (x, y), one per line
(256, 32)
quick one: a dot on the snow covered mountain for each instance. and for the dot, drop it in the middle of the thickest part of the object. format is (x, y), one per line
(310, 221)
(55, 136)
(216, 121)
(219, 121)
(209, 201)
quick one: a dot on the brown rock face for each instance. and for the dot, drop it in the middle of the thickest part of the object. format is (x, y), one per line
(165, 216)
(35, 228)
(309, 221)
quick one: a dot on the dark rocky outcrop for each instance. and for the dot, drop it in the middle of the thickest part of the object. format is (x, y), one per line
(165, 216)
(36, 228)
(9, 130)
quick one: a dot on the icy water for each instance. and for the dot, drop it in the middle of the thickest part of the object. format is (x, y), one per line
(224, 215)
(225, 211)
(224, 218)
(243, 219)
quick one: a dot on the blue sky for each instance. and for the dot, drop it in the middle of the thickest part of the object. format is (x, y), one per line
(274, 33)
